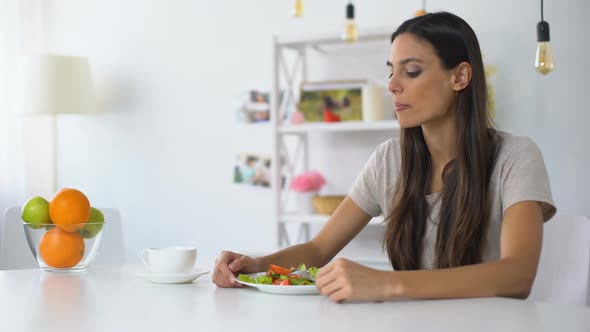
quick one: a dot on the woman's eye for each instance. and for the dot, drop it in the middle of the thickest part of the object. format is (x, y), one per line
(413, 74)
(390, 75)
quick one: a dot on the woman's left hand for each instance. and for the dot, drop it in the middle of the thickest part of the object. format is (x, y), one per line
(345, 280)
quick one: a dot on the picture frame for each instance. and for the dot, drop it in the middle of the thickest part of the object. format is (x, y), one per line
(252, 169)
(344, 100)
(254, 107)
(331, 101)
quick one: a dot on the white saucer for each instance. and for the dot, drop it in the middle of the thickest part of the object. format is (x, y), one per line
(173, 278)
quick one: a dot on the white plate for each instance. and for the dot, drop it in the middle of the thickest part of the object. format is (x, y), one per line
(172, 278)
(280, 289)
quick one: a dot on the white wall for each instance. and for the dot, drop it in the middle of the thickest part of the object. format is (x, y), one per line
(163, 152)
(11, 170)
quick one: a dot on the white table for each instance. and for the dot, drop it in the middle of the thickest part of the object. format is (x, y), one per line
(114, 299)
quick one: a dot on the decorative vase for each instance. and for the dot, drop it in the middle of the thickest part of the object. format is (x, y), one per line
(303, 202)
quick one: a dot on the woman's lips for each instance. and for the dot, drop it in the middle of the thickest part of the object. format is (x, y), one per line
(401, 107)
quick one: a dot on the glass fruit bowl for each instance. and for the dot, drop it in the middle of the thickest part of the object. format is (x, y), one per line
(64, 248)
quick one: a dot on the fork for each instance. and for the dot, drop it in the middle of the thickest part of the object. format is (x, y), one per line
(303, 273)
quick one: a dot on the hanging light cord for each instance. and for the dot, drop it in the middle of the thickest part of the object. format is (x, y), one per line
(541, 10)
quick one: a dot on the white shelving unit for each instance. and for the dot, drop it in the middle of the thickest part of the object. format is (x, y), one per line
(339, 127)
(317, 219)
(284, 162)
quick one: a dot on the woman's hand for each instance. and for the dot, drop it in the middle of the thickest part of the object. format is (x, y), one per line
(344, 280)
(228, 265)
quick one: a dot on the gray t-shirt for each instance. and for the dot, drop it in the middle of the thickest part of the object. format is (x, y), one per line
(519, 175)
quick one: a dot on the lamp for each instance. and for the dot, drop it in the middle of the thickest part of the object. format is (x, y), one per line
(544, 62)
(350, 30)
(298, 8)
(422, 10)
(50, 85)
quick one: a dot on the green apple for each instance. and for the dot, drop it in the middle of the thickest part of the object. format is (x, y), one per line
(35, 212)
(94, 224)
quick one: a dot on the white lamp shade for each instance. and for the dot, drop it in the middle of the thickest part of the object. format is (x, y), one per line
(53, 84)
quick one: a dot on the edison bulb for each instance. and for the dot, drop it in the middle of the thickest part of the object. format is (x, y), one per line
(351, 33)
(544, 62)
(420, 12)
(298, 8)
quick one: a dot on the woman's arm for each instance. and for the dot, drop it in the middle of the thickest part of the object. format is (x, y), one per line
(511, 276)
(344, 224)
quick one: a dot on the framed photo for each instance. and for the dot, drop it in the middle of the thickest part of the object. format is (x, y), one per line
(254, 107)
(252, 169)
(331, 101)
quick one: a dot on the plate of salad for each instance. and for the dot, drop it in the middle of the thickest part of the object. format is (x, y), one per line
(280, 280)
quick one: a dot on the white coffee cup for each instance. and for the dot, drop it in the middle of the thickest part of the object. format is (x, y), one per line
(170, 260)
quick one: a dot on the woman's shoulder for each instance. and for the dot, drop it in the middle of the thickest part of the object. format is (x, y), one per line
(389, 147)
(513, 145)
(517, 152)
(387, 157)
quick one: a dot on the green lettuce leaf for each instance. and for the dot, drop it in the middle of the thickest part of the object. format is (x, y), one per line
(261, 279)
(300, 281)
(246, 278)
(313, 271)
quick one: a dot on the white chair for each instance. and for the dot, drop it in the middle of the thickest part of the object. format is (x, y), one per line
(563, 275)
(112, 248)
(15, 252)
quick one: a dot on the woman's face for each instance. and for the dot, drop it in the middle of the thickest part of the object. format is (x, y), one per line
(421, 87)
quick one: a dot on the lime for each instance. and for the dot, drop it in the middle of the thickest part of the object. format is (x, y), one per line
(94, 224)
(36, 212)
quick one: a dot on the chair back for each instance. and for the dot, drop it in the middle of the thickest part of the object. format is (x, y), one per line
(563, 275)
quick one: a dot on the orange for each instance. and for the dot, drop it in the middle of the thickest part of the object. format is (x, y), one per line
(61, 249)
(69, 209)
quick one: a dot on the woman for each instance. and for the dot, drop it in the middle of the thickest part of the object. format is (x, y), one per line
(464, 203)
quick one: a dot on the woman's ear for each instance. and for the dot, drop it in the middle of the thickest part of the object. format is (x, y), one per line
(461, 76)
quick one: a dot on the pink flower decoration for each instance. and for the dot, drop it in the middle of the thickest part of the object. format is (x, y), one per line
(308, 181)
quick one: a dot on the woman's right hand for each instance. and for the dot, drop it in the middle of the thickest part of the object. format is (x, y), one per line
(228, 265)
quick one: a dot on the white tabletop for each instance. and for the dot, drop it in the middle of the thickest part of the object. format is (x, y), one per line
(115, 299)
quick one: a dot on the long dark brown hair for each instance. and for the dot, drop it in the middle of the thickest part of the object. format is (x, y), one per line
(465, 206)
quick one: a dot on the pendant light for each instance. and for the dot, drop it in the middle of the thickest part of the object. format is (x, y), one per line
(298, 8)
(350, 30)
(421, 11)
(544, 62)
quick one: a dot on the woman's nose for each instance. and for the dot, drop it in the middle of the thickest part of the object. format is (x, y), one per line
(394, 85)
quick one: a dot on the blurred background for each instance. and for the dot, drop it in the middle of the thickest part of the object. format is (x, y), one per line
(170, 76)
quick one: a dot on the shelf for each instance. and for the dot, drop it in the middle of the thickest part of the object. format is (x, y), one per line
(293, 73)
(317, 219)
(339, 126)
(254, 124)
(334, 38)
